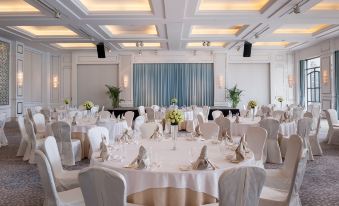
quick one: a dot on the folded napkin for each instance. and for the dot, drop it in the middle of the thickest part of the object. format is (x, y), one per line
(202, 162)
(197, 132)
(240, 152)
(104, 153)
(157, 134)
(237, 118)
(142, 161)
(126, 136)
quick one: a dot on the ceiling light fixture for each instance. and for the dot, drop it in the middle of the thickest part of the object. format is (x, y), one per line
(206, 43)
(57, 14)
(139, 44)
(296, 9)
(140, 52)
(256, 36)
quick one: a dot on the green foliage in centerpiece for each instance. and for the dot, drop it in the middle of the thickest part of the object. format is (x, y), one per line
(233, 95)
(252, 104)
(280, 99)
(66, 101)
(113, 93)
(174, 116)
(174, 100)
(88, 105)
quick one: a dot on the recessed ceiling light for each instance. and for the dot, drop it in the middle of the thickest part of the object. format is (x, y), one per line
(215, 30)
(47, 30)
(75, 45)
(16, 6)
(116, 5)
(145, 45)
(232, 5)
(135, 30)
(300, 29)
(278, 43)
(326, 5)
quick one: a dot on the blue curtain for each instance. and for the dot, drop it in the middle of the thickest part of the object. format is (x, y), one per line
(336, 73)
(191, 84)
(302, 82)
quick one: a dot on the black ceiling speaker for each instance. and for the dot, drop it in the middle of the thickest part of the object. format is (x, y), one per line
(101, 50)
(247, 49)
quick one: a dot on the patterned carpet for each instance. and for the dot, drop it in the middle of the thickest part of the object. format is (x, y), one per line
(20, 182)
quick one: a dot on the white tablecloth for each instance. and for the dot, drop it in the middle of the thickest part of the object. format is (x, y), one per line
(82, 127)
(169, 174)
(188, 115)
(115, 128)
(238, 129)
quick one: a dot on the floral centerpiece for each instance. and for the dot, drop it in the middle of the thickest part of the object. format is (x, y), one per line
(280, 99)
(252, 104)
(174, 116)
(174, 100)
(88, 105)
(233, 95)
(66, 101)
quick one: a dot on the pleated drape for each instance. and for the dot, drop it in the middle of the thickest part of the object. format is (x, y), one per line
(302, 82)
(191, 84)
(336, 76)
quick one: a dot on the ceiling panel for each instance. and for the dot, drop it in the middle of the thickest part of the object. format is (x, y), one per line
(130, 30)
(103, 6)
(300, 28)
(17, 6)
(232, 5)
(46, 31)
(78, 45)
(326, 5)
(147, 45)
(210, 30)
(201, 45)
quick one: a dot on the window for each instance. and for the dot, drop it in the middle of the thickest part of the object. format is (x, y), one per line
(312, 80)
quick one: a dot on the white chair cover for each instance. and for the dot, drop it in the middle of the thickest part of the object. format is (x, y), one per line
(71, 197)
(314, 141)
(129, 115)
(333, 126)
(216, 114)
(37, 109)
(272, 152)
(316, 115)
(33, 143)
(39, 120)
(47, 114)
(277, 114)
(138, 122)
(69, 149)
(209, 130)
(224, 126)
(95, 109)
(201, 118)
(256, 140)
(155, 108)
(105, 114)
(148, 129)
(297, 113)
(64, 179)
(101, 187)
(3, 138)
(95, 135)
(241, 186)
(24, 144)
(303, 130)
(206, 111)
(308, 114)
(282, 185)
(150, 114)
(141, 110)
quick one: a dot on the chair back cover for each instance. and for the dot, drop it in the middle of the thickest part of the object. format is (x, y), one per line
(308, 114)
(148, 129)
(277, 114)
(39, 120)
(32, 137)
(141, 110)
(155, 108)
(51, 151)
(150, 114)
(297, 113)
(95, 135)
(206, 111)
(24, 142)
(272, 128)
(209, 130)
(304, 128)
(333, 116)
(138, 122)
(272, 151)
(216, 114)
(200, 118)
(105, 114)
(62, 133)
(256, 140)
(102, 187)
(224, 126)
(47, 180)
(47, 114)
(241, 186)
(37, 109)
(129, 115)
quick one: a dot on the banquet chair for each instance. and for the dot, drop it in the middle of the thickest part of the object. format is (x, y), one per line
(256, 140)
(272, 152)
(333, 126)
(155, 108)
(34, 143)
(37, 109)
(95, 135)
(314, 141)
(243, 112)
(52, 197)
(209, 130)
(148, 129)
(138, 122)
(39, 120)
(64, 179)
(206, 111)
(129, 115)
(240, 186)
(102, 108)
(150, 114)
(141, 110)
(216, 114)
(69, 149)
(201, 118)
(47, 114)
(95, 109)
(303, 130)
(308, 114)
(105, 114)
(103, 187)
(297, 113)
(282, 185)
(316, 110)
(224, 126)
(3, 138)
(23, 150)
(277, 114)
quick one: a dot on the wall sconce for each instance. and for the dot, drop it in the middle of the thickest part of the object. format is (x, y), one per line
(325, 76)
(20, 79)
(221, 82)
(125, 81)
(55, 82)
(290, 81)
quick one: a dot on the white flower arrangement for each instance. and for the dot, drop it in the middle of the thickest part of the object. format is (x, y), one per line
(66, 101)
(174, 100)
(174, 116)
(252, 104)
(88, 105)
(280, 99)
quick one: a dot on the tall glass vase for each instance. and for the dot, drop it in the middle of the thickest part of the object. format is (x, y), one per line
(253, 114)
(174, 133)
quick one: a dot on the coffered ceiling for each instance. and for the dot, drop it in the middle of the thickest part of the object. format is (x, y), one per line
(127, 25)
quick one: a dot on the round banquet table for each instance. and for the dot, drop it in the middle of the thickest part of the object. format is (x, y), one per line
(167, 184)
(239, 129)
(115, 128)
